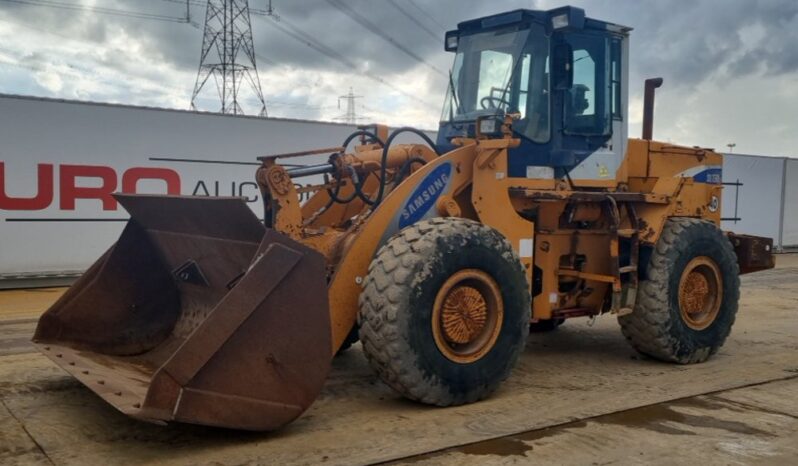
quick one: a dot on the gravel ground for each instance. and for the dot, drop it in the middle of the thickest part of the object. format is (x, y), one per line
(579, 396)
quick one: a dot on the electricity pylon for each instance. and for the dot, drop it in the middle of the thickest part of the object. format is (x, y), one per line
(228, 55)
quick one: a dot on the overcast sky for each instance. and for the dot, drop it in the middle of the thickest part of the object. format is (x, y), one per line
(730, 66)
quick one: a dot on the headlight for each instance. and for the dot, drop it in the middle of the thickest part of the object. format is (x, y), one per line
(559, 21)
(488, 126)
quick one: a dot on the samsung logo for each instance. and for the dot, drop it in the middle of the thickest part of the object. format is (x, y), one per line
(425, 195)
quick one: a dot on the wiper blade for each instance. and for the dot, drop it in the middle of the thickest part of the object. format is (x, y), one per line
(453, 91)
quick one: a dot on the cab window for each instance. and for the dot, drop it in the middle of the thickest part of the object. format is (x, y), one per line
(533, 95)
(587, 104)
(494, 71)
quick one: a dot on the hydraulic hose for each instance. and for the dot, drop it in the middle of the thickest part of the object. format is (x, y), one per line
(405, 170)
(362, 132)
(358, 186)
(387, 146)
(383, 166)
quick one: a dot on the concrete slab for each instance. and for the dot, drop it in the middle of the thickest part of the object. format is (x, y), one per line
(705, 430)
(777, 397)
(575, 373)
(16, 446)
(358, 420)
(15, 336)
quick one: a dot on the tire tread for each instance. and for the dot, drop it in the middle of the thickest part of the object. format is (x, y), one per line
(381, 305)
(648, 328)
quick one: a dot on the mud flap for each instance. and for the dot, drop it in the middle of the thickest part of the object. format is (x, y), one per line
(197, 314)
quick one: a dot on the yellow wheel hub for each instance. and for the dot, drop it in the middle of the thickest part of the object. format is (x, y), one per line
(467, 315)
(464, 314)
(700, 293)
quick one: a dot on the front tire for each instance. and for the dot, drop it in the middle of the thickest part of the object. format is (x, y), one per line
(445, 311)
(686, 308)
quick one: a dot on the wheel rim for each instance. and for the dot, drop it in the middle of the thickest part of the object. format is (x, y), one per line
(700, 291)
(467, 316)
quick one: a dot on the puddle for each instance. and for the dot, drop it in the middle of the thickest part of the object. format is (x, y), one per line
(515, 445)
(664, 418)
(506, 446)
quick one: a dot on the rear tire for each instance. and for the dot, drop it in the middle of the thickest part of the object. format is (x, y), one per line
(686, 307)
(434, 323)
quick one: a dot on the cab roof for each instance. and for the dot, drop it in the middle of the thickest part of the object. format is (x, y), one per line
(562, 18)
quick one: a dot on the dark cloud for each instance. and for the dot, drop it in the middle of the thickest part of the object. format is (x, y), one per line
(774, 53)
(688, 42)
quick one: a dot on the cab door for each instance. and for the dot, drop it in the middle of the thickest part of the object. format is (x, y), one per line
(593, 120)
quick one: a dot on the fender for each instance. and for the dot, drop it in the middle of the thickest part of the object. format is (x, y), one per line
(384, 222)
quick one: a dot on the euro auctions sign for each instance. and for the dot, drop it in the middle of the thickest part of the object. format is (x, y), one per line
(76, 182)
(57, 218)
(79, 183)
(62, 161)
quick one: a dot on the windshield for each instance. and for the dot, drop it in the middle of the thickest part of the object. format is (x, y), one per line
(502, 71)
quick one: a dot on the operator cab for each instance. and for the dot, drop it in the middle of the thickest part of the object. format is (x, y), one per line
(564, 74)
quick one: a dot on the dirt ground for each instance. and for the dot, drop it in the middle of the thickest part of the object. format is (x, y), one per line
(579, 396)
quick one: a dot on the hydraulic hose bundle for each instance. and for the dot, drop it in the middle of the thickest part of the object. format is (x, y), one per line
(357, 183)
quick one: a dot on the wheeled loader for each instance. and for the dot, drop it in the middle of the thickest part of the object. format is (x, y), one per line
(531, 208)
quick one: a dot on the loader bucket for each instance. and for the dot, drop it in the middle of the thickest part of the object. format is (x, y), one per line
(197, 314)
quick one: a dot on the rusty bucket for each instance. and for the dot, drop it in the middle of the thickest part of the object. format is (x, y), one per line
(197, 314)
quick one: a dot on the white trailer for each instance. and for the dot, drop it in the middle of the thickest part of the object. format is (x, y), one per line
(760, 197)
(61, 160)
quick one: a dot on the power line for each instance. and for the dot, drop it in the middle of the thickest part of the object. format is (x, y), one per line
(299, 35)
(98, 10)
(253, 11)
(49, 31)
(93, 73)
(427, 15)
(377, 30)
(415, 20)
(299, 105)
(17, 22)
(305, 38)
(83, 72)
(310, 41)
(184, 2)
(291, 30)
(283, 25)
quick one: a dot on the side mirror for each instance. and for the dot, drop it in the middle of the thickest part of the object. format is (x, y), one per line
(563, 67)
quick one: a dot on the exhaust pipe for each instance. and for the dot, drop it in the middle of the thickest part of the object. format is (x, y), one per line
(648, 107)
